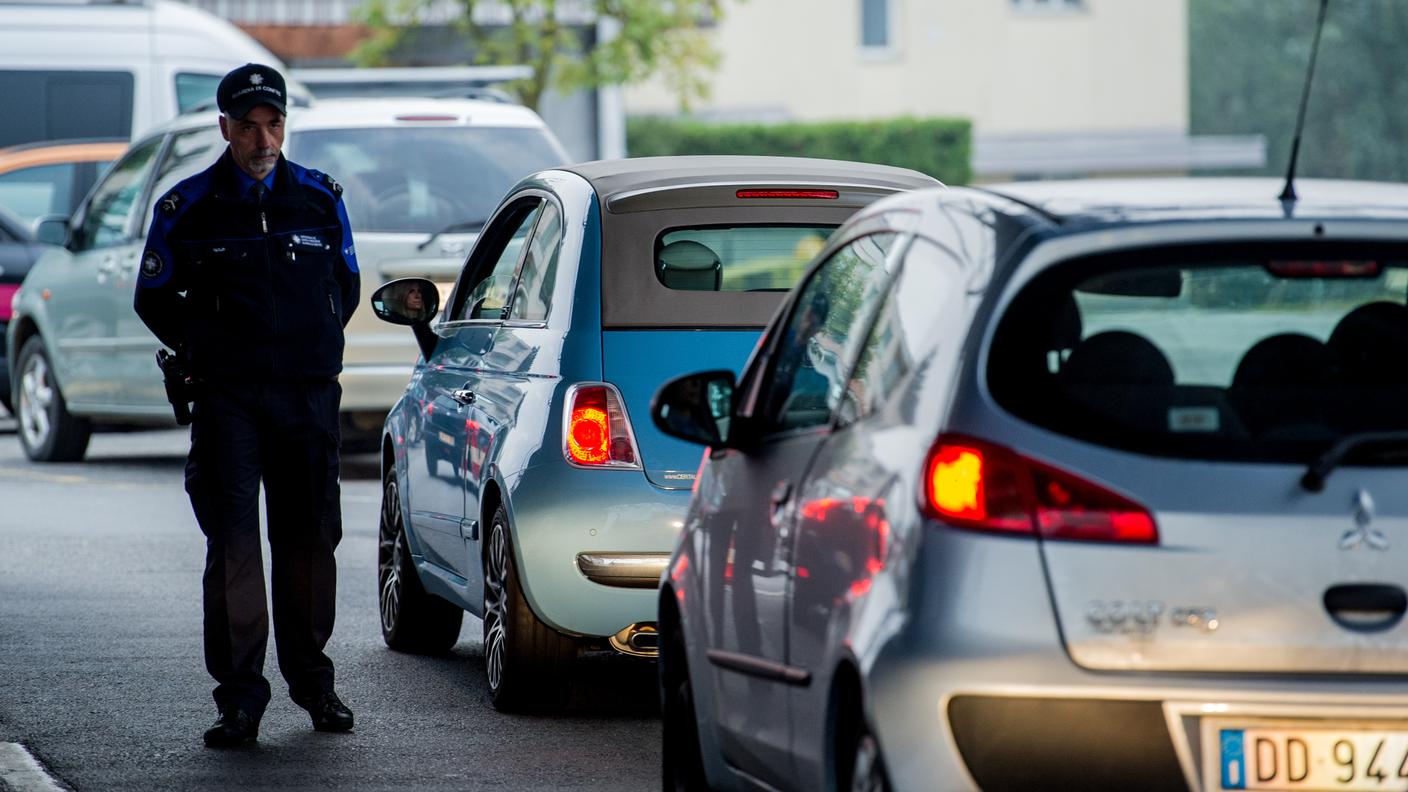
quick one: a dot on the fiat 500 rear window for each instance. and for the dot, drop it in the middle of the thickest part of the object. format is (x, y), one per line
(1256, 353)
(737, 258)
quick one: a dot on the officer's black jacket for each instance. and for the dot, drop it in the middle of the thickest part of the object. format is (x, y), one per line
(251, 291)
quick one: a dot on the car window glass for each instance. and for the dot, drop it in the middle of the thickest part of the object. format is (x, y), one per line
(823, 334)
(755, 257)
(906, 319)
(533, 292)
(190, 153)
(195, 89)
(41, 190)
(489, 294)
(1256, 352)
(421, 179)
(114, 201)
(66, 103)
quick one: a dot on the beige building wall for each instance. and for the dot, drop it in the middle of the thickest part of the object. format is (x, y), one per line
(1011, 66)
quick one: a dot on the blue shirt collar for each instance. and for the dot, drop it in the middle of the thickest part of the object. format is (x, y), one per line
(245, 181)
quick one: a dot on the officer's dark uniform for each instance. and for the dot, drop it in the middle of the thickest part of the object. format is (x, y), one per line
(253, 291)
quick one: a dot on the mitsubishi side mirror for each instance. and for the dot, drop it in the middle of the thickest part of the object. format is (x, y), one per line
(697, 408)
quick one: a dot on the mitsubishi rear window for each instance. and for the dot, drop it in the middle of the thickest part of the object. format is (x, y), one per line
(1247, 353)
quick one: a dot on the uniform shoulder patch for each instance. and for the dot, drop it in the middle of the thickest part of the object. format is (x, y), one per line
(327, 180)
(170, 202)
(152, 265)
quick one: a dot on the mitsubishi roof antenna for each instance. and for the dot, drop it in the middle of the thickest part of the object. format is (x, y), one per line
(1288, 193)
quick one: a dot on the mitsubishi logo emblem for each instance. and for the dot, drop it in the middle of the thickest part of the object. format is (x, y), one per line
(1362, 533)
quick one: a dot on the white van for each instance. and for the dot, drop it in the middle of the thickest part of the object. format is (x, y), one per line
(112, 68)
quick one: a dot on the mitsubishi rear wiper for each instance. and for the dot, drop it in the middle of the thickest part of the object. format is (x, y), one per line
(463, 225)
(1382, 444)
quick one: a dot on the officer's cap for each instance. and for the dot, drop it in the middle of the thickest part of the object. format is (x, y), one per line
(249, 85)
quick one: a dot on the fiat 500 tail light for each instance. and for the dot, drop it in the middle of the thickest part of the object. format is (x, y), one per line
(596, 432)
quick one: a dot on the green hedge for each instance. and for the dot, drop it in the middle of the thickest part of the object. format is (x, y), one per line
(940, 147)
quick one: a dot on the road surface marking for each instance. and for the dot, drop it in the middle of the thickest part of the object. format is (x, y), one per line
(49, 478)
(21, 772)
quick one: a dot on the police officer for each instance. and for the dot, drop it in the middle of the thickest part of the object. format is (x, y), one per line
(249, 274)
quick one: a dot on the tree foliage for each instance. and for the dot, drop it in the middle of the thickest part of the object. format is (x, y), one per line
(1247, 67)
(651, 37)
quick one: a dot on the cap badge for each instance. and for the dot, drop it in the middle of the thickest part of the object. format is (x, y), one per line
(256, 79)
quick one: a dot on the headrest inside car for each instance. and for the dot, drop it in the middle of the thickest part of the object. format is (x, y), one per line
(1117, 357)
(686, 264)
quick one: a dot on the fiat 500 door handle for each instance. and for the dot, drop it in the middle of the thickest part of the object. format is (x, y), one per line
(463, 396)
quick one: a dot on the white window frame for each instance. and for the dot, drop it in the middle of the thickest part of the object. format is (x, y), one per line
(1048, 7)
(879, 52)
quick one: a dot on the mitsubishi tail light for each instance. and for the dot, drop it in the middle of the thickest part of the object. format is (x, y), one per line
(596, 431)
(975, 484)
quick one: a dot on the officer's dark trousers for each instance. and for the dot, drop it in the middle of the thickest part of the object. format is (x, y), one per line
(284, 435)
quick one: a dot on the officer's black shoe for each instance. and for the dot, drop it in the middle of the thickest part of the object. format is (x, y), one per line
(234, 727)
(328, 712)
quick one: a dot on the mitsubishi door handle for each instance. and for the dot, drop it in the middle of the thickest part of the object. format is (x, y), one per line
(463, 396)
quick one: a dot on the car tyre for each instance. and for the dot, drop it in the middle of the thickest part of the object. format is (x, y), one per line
(865, 772)
(682, 762)
(528, 664)
(412, 619)
(48, 432)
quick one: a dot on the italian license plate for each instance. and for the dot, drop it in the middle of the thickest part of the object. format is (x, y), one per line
(1307, 756)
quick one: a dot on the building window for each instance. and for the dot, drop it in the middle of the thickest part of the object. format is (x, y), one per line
(1047, 6)
(876, 16)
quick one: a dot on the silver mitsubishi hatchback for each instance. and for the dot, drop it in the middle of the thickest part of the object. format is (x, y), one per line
(1087, 485)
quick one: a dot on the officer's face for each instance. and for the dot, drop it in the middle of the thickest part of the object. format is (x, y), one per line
(255, 140)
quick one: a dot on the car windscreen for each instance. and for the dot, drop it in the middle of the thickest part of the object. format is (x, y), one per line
(416, 179)
(1268, 352)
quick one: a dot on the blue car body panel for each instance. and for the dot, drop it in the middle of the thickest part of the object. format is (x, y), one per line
(637, 361)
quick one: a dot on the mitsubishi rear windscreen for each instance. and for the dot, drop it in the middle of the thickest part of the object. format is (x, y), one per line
(1266, 352)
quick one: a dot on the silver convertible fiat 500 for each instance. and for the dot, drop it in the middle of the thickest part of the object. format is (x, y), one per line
(522, 482)
(1057, 486)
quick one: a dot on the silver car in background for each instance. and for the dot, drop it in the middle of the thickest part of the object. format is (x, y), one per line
(1057, 486)
(419, 176)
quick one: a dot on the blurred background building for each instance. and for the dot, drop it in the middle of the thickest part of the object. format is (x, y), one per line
(1053, 88)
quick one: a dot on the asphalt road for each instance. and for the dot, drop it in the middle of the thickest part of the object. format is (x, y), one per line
(102, 680)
